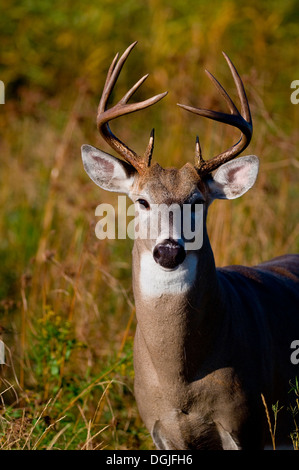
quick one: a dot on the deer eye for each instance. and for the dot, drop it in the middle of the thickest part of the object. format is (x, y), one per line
(143, 203)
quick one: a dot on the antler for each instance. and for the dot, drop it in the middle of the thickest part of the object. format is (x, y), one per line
(120, 109)
(236, 119)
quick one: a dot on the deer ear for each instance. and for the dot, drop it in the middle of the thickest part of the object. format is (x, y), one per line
(106, 171)
(234, 178)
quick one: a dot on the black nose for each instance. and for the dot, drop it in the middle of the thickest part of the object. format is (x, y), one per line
(169, 254)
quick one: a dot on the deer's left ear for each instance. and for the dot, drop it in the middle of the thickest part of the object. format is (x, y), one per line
(106, 171)
(234, 178)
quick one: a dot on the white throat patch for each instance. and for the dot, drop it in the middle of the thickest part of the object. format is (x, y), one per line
(156, 281)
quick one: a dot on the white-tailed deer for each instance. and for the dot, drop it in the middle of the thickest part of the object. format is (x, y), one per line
(209, 342)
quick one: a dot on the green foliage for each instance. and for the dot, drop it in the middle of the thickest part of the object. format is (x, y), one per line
(51, 44)
(51, 350)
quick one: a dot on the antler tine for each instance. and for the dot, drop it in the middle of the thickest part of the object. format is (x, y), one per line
(150, 148)
(120, 109)
(245, 110)
(198, 155)
(242, 121)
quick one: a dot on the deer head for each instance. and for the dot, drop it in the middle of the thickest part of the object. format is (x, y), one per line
(148, 184)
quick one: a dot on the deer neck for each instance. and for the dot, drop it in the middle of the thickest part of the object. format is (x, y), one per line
(177, 313)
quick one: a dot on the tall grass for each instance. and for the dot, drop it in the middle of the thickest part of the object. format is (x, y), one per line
(67, 311)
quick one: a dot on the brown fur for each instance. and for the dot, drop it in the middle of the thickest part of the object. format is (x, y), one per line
(203, 359)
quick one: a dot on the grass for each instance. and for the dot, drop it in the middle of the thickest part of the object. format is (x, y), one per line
(293, 410)
(66, 303)
(272, 427)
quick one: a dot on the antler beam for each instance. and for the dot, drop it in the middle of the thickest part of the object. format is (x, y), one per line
(120, 109)
(236, 119)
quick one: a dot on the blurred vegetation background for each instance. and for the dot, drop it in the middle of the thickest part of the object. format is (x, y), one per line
(66, 304)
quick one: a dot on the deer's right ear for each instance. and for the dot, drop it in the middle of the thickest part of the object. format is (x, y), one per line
(106, 171)
(234, 178)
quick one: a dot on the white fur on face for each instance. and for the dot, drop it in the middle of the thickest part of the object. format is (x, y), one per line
(156, 281)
